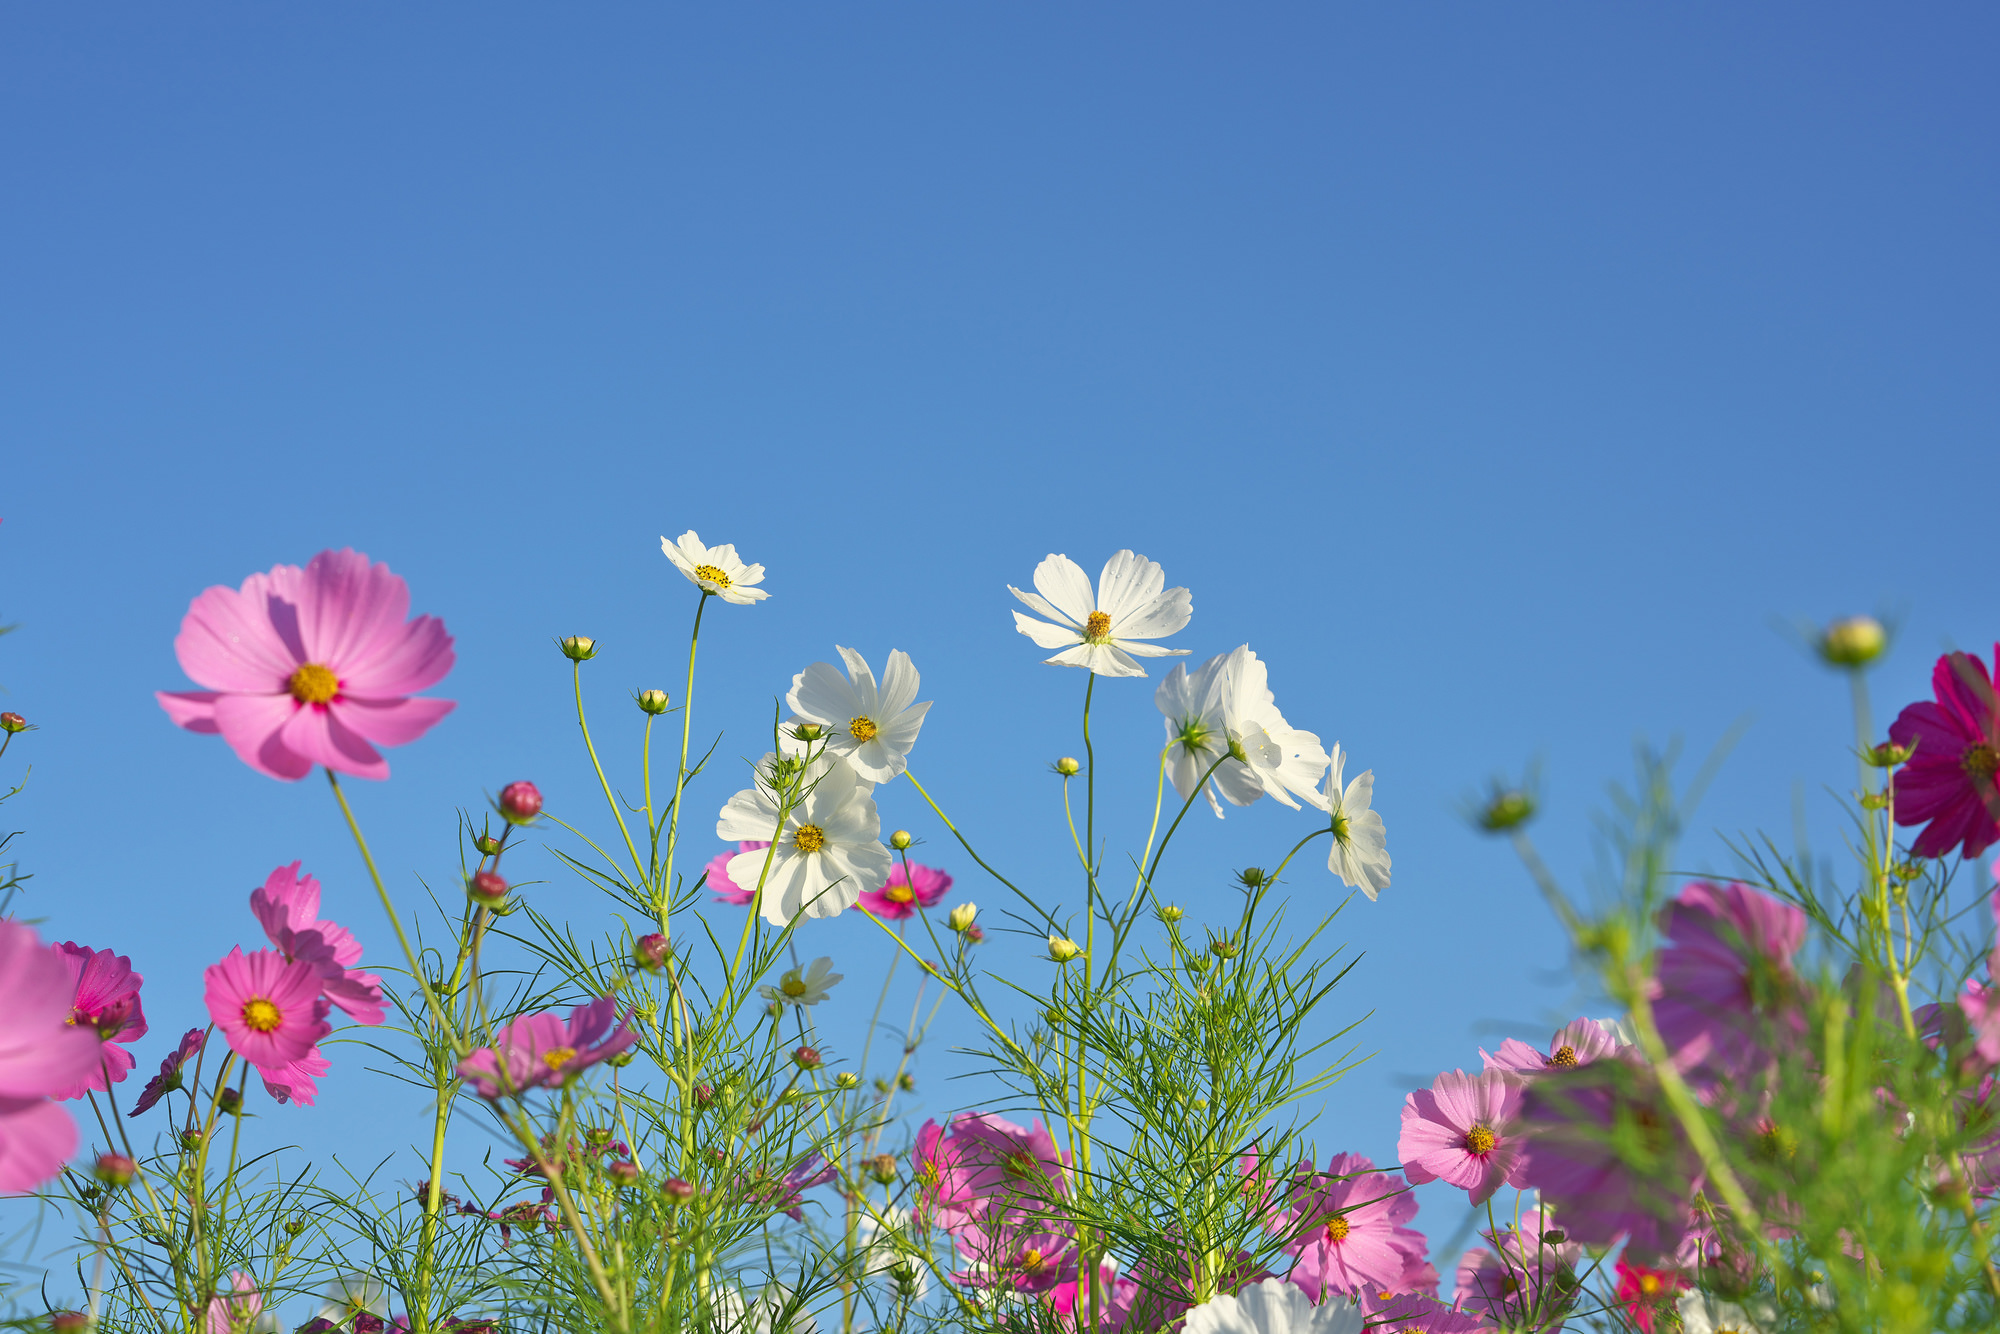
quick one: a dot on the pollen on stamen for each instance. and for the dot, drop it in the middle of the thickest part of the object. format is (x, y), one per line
(899, 894)
(1097, 626)
(558, 1057)
(792, 984)
(1337, 1228)
(261, 1015)
(1564, 1056)
(1980, 761)
(313, 683)
(809, 838)
(861, 729)
(1480, 1139)
(709, 574)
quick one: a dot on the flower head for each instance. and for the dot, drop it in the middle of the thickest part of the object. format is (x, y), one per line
(1462, 1130)
(41, 1052)
(1726, 993)
(802, 986)
(287, 907)
(1360, 854)
(311, 667)
(1273, 1307)
(1417, 1313)
(1527, 1281)
(727, 890)
(1346, 1227)
(716, 570)
(1644, 1293)
(1015, 1254)
(265, 1006)
(1222, 719)
(984, 1167)
(105, 1003)
(170, 1076)
(1104, 632)
(828, 853)
(1608, 1156)
(1578, 1042)
(543, 1049)
(872, 728)
(352, 1294)
(240, 1311)
(906, 891)
(1949, 783)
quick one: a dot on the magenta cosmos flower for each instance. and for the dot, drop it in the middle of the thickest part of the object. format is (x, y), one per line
(288, 909)
(920, 887)
(1578, 1042)
(1418, 1313)
(1015, 1254)
(172, 1071)
(268, 1008)
(1461, 1130)
(985, 1167)
(1349, 1229)
(1949, 782)
(104, 1002)
(727, 890)
(1607, 1156)
(313, 666)
(1725, 993)
(541, 1049)
(1117, 1298)
(41, 1052)
(1526, 1282)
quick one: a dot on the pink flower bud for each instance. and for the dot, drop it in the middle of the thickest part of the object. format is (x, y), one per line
(520, 802)
(677, 1191)
(807, 1058)
(486, 888)
(488, 845)
(650, 952)
(115, 1169)
(625, 1173)
(13, 722)
(68, 1322)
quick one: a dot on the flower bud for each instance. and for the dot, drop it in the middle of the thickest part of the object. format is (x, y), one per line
(906, 1082)
(704, 1094)
(1068, 767)
(807, 731)
(68, 1322)
(676, 1190)
(1507, 808)
(624, 1173)
(882, 1168)
(488, 845)
(13, 722)
(653, 702)
(650, 952)
(1250, 877)
(520, 802)
(190, 1140)
(847, 1079)
(486, 888)
(807, 1058)
(960, 917)
(230, 1101)
(115, 1169)
(1223, 949)
(1854, 641)
(618, 1060)
(1062, 949)
(578, 648)
(900, 839)
(975, 934)
(1172, 912)
(1888, 755)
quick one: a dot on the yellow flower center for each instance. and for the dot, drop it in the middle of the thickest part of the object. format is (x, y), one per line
(313, 684)
(792, 985)
(1480, 1139)
(898, 894)
(1031, 1261)
(1563, 1056)
(558, 1057)
(708, 574)
(1097, 627)
(1336, 1228)
(1649, 1284)
(862, 729)
(1980, 761)
(810, 838)
(261, 1015)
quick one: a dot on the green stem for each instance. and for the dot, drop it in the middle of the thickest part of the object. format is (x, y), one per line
(388, 906)
(681, 773)
(631, 848)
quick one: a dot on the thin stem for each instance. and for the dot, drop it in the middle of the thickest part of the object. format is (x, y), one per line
(681, 773)
(583, 725)
(388, 906)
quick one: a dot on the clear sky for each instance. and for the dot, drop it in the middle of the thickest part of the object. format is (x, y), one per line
(1498, 373)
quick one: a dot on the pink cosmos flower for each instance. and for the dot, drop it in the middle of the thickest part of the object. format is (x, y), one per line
(105, 1002)
(1645, 1293)
(1528, 1280)
(1578, 1042)
(1725, 993)
(1980, 1001)
(1163, 1293)
(1117, 1298)
(1348, 1225)
(170, 1076)
(922, 887)
(1608, 1157)
(1418, 1313)
(1462, 1130)
(985, 1167)
(1016, 1254)
(237, 1312)
(311, 667)
(298, 1081)
(787, 1195)
(727, 890)
(1949, 782)
(41, 1053)
(266, 1007)
(288, 909)
(542, 1049)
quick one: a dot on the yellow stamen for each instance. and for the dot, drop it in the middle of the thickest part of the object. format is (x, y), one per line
(558, 1057)
(710, 575)
(792, 984)
(1337, 1228)
(1980, 761)
(1563, 1056)
(1031, 1261)
(898, 894)
(313, 684)
(261, 1015)
(862, 729)
(1480, 1139)
(1097, 627)
(809, 838)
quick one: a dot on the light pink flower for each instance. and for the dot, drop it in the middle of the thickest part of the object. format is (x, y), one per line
(1461, 1130)
(288, 909)
(266, 1007)
(236, 1312)
(1348, 1226)
(104, 1002)
(1608, 1157)
(903, 895)
(1578, 1042)
(311, 667)
(170, 1076)
(986, 1167)
(1419, 1313)
(1949, 781)
(41, 1053)
(542, 1049)
(1017, 1254)
(1117, 1298)
(727, 890)
(1725, 994)
(1526, 1282)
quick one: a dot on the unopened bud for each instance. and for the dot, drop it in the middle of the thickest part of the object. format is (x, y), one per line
(882, 1168)
(1555, 1236)
(1250, 877)
(1062, 949)
(1888, 755)
(230, 1101)
(115, 1169)
(975, 934)
(704, 1094)
(906, 1082)
(618, 1060)
(578, 648)
(676, 1190)
(1068, 767)
(1172, 912)
(1854, 641)
(190, 1140)
(960, 917)
(847, 1079)
(69, 1322)
(900, 839)
(652, 702)
(1507, 808)
(486, 888)
(650, 952)
(807, 1058)
(488, 845)
(13, 722)
(624, 1173)
(807, 731)
(520, 802)
(1222, 949)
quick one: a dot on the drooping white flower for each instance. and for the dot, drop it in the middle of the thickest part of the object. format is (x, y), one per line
(828, 850)
(872, 729)
(1102, 631)
(1273, 1307)
(806, 986)
(717, 570)
(1222, 709)
(351, 1294)
(1360, 855)
(884, 1250)
(1702, 1314)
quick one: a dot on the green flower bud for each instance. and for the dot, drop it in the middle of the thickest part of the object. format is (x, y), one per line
(1506, 809)
(1068, 767)
(654, 702)
(900, 839)
(1172, 912)
(578, 648)
(1854, 641)
(960, 917)
(1062, 949)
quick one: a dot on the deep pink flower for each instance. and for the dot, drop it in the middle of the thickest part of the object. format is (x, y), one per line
(1578, 1042)
(311, 667)
(542, 1049)
(986, 1167)
(1017, 1254)
(288, 909)
(298, 1081)
(1461, 1130)
(266, 1007)
(1645, 1293)
(1418, 1313)
(105, 1003)
(787, 1196)
(1949, 781)
(1607, 1156)
(41, 1053)
(727, 890)
(1980, 1001)
(1527, 1281)
(1117, 1297)
(1347, 1229)
(1725, 993)
(235, 1312)
(171, 1073)
(922, 887)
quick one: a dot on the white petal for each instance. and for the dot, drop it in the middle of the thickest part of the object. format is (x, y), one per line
(1044, 634)
(1138, 650)
(822, 695)
(1128, 582)
(900, 683)
(1042, 607)
(1063, 582)
(866, 696)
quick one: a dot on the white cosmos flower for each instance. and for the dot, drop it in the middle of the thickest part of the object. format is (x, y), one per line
(350, 1294)
(717, 570)
(1360, 855)
(802, 986)
(1702, 1314)
(1273, 1307)
(880, 1254)
(872, 729)
(828, 852)
(1227, 700)
(1101, 632)
(764, 1314)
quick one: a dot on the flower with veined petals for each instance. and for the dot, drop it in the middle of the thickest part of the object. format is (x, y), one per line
(1528, 1280)
(287, 906)
(1608, 1156)
(727, 890)
(1014, 1254)
(1273, 1307)
(985, 1166)
(1418, 1313)
(1949, 783)
(1725, 995)
(1346, 1227)
(311, 667)
(905, 892)
(1117, 1298)
(240, 1311)
(1360, 854)
(1461, 1130)
(1578, 1042)
(170, 1076)
(829, 852)
(802, 986)
(105, 1002)
(543, 1049)
(266, 1007)
(717, 570)
(351, 1294)
(1225, 708)
(41, 1052)
(1980, 1001)
(298, 1081)
(1103, 632)
(871, 728)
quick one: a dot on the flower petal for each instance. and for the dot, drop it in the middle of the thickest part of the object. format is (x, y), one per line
(254, 727)
(1063, 582)
(393, 722)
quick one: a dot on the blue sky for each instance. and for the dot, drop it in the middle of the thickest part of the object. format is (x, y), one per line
(1499, 374)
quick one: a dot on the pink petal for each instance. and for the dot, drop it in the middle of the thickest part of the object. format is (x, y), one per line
(391, 722)
(254, 725)
(36, 1139)
(40, 1050)
(228, 642)
(319, 736)
(192, 709)
(347, 605)
(414, 657)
